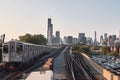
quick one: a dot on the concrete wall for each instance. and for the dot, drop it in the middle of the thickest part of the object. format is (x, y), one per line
(116, 77)
(107, 74)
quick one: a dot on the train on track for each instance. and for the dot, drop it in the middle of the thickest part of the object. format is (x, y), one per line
(16, 54)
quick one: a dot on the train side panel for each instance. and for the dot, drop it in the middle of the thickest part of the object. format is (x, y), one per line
(17, 52)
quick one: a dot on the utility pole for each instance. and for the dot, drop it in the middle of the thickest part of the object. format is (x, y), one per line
(2, 38)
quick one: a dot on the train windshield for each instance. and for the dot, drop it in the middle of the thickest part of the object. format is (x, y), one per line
(19, 48)
(5, 49)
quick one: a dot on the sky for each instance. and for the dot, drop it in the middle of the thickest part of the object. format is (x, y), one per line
(70, 17)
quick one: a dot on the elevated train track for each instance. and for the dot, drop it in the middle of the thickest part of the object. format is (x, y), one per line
(77, 70)
(77, 67)
(92, 71)
(80, 61)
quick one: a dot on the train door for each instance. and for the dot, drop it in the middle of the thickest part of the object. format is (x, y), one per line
(26, 52)
(35, 51)
(32, 52)
(28, 48)
(23, 52)
(40, 50)
(12, 53)
(29, 53)
(32, 55)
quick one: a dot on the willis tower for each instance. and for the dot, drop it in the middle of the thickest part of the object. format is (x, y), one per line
(50, 32)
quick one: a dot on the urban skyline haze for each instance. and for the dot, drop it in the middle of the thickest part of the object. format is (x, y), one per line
(18, 17)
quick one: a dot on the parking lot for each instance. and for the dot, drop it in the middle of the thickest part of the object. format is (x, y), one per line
(108, 62)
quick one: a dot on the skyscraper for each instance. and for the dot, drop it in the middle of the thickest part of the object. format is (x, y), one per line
(65, 40)
(69, 40)
(49, 32)
(89, 41)
(111, 40)
(105, 37)
(95, 40)
(101, 39)
(82, 38)
(58, 37)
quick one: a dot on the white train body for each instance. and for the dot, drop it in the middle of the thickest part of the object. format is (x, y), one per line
(16, 51)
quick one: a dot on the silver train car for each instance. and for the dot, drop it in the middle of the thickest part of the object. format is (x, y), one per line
(16, 53)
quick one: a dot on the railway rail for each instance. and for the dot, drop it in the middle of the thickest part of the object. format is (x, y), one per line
(77, 70)
(79, 59)
(77, 67)
(92, 73)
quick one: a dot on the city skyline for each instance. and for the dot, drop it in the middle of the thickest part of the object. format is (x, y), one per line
(69, 17)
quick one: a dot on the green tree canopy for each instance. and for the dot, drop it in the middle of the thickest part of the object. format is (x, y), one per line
(80, 48)
(35, 39)
(85, 49)
(105, 49)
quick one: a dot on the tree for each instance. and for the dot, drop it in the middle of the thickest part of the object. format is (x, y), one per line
(35, 39)
(105, 49)
(76, 48)
(114, 53)
(83, 49)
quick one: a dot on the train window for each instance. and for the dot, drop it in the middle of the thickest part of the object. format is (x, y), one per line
(19, 48)
(5, 49)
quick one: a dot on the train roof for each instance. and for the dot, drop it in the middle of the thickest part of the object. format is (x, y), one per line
(44, 75)
(17, 41)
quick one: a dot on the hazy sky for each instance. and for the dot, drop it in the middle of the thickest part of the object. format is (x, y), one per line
(70, 17)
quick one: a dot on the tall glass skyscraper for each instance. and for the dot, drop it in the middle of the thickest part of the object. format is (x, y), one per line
(50, 32)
